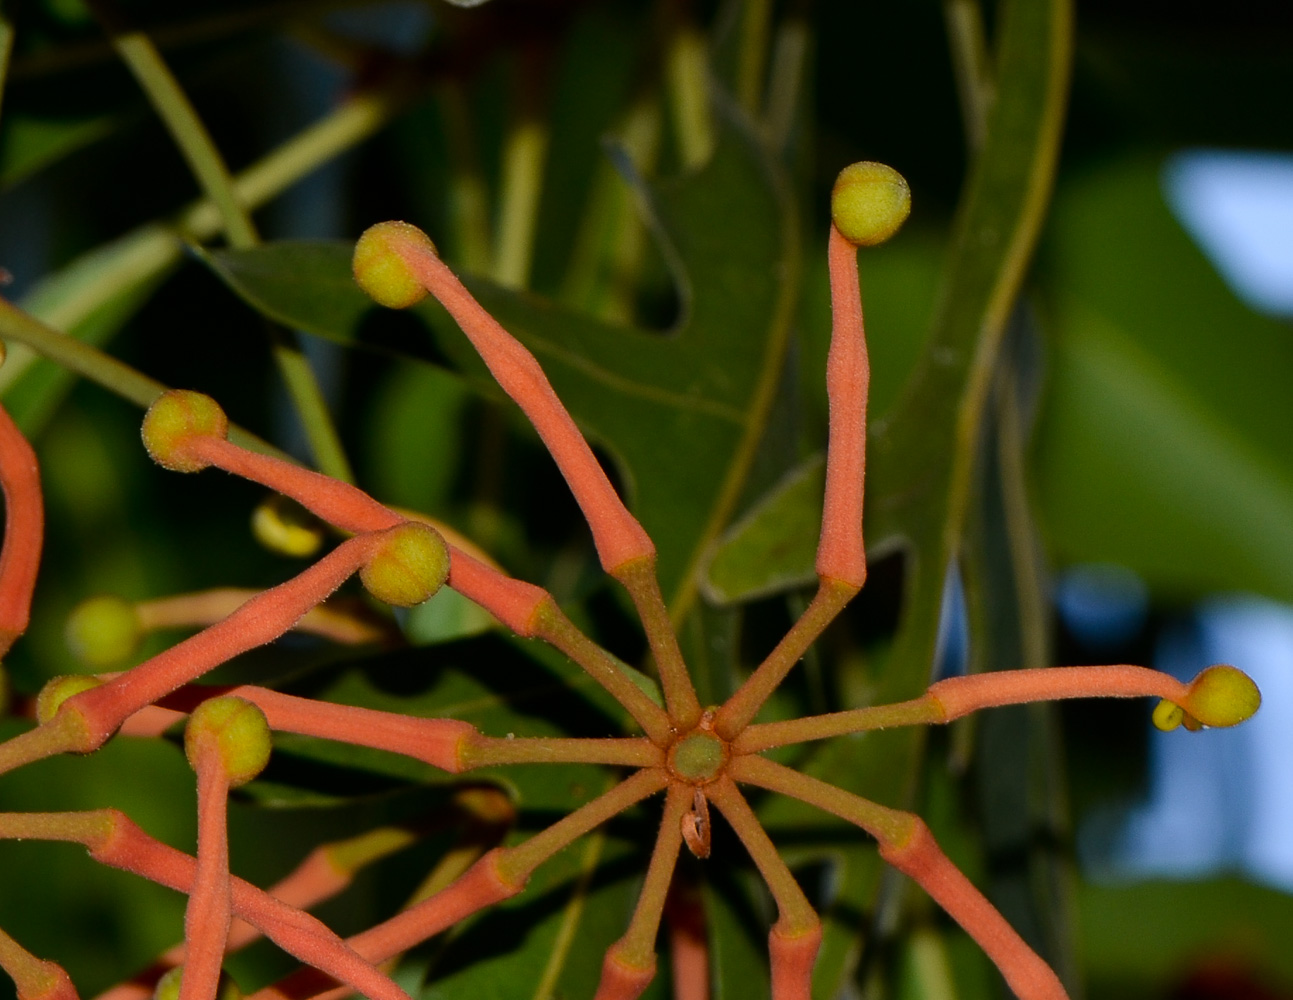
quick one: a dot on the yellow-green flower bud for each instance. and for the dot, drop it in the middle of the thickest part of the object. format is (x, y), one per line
(174, 420)
(238, 731)
(58, 690)
(381, 271)
(103, 631)
(410, 565)
(869, 203)
(168, 987)
(285, 527)
(1222, 696)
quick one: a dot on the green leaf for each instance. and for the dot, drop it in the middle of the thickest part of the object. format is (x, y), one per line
(548, 942)
(771, 548)
(1137, 937)
(681, 411)
(1163, 443)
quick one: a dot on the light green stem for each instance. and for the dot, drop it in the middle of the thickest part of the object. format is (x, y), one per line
(637, 946)
(199, 150)
(796, 913)
(98, 279)
(688, 81)
(188, 131)
(517, 863)
(742, 707)
(889, 826)
(923, 711)
(755, 18)
(102, 369)
(639, 579)
(524, 152)
(484, 751)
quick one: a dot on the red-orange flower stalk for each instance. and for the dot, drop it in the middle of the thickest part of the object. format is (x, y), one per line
(24, 528)
(869, 203)
(617, 534)
(397, 264)
(324, 873)
(114, 840)
(227, 743)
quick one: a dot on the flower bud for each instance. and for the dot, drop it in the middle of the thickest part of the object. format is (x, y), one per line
(103, 631)
(168, 987)
(284, 526)
(238, 731)
(382, 272)
(869, 203)
(174, 420)
(410, 564)
(58, 690)
(1222, 696)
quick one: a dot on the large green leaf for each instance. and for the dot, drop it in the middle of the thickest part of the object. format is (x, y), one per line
(1163, 444)
(682, 411)
(1136, 937)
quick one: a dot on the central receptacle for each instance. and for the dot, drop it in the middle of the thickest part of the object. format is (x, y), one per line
(698, 757)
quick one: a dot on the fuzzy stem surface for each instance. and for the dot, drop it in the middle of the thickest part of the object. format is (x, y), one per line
(639, 579)
(637, 947)
(960, 696)
(796, 914)
(209, 912)
(920, 858)
(516, 863)
(261, 620)
(24, 528)
(617, 534)
(740, 709)
(840, 552)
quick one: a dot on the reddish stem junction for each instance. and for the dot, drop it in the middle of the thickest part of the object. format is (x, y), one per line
(697, 757)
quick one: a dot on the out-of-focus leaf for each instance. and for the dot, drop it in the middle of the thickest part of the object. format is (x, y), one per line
(1163, 444)
(118, 278)
(1137, 937)
(738, 953)
(32, 143)
(691, 401)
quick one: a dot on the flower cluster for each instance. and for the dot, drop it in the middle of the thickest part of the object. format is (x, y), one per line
(698, 756)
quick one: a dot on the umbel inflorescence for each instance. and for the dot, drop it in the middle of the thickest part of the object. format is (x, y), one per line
(698, 756)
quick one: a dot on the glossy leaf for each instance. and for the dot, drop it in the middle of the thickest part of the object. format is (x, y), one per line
(682, 410)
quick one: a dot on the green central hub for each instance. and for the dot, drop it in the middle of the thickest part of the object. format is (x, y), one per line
(698, 757)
